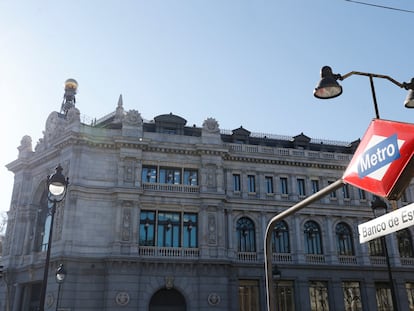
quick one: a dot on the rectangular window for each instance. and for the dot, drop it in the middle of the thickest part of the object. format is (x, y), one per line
(384, 297)
(170, 175)
(283, 185)
(301, 187)
(168, 229)
(190, 177)
(149, 174)
(147, 228)
(284, 295)
(315, 185)
(251, 183)
(318, 294)
(362, 194)
(410, 293)
(269, 184)
(352, 296)
(236, 183)
(332, 195)
(249, 295)
(345, 191)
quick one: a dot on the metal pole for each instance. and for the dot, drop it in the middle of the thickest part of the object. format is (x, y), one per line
(58, 297)
(46, 269)
(391, 280)
(270, 294)
(374, 97)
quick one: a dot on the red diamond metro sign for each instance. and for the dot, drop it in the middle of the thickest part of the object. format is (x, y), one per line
(383, 163)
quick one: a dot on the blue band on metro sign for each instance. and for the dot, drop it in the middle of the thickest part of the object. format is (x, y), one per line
(383, 163)
(378, 156)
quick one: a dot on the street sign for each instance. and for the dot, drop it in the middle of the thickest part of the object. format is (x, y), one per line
(383, 163)
(388, 223)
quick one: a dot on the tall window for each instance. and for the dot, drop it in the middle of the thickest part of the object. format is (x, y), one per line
(318, 294)
(149, 174)
(284, 295)
(190, 177)
(344, 242)
(43, 224)
(352, 296)
(170, 175)
(249, 295)
(236, 183)
(405, 243)
(168, 229)
(332, 195)
(251, 183)
(269, 184)
(315, 185)
(362, 194)
(375, 247)
(313, 240)
(280, 238)
(147, 228)
(190, 230)
(246, 235)
(409, 287)
(345, 191)
(284, 185)
(301, 187)
(384, 297)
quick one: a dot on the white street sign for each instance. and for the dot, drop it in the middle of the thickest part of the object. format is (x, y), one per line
(388, 223)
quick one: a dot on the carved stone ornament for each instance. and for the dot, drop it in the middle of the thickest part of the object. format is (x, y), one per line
(213, 299)
(73, 115)
(133, 117)
(169, 282)
(122, 298)
(49, 300)
(211, 125)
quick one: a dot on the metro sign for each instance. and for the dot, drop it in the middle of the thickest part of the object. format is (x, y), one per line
(383, 163)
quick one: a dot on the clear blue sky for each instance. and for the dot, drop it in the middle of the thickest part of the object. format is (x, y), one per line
(251, 63)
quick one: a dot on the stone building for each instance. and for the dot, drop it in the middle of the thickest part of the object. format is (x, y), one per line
(163, 216)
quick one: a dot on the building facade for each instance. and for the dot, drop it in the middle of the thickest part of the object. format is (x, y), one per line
(164, 216)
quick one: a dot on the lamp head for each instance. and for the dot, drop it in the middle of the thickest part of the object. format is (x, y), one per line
(327, 87)
(409, 101)
(60, 274)
(57, 183)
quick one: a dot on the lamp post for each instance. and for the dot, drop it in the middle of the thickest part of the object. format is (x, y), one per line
(60, 278)
(328, 87)
(379, 207)
(57, 185)
(270, 293)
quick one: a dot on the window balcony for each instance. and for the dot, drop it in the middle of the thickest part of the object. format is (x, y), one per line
(247, 256)
(347, 260)
(172, 252)
(170, 187)
(315, 258)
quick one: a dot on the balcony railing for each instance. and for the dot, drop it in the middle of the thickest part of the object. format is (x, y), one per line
(175, 252)
(377, 260)
(247, 256)
(282, 257)
(315, 258)
(347, 260)
(170, 187)
(240, 148)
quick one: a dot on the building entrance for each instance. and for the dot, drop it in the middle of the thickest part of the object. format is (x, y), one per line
(167, 300)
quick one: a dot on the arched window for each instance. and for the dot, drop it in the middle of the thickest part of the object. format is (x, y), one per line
(344, 241)
(313, 240)
(246, 235)
(405, 243)
(280, 238)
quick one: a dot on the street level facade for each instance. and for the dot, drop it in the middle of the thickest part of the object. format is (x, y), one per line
(160, 215)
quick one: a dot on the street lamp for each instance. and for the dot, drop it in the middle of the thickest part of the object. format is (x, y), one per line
(328, 87)
(60, 278)
(379, 207)
(57, 185)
